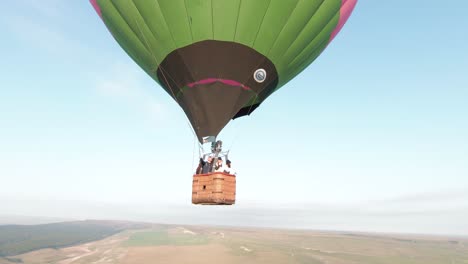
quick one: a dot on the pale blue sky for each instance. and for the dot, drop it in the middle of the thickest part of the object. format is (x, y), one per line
(381, 116)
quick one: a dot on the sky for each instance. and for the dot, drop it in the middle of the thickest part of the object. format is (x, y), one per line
(373, 136)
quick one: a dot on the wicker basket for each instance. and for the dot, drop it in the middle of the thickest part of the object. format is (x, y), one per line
(214, 189)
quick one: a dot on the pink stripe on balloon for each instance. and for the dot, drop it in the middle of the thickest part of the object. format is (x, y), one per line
(347, 7)
(96, 7)
(223, 81)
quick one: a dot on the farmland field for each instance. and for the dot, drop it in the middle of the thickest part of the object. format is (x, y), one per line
(194, 244)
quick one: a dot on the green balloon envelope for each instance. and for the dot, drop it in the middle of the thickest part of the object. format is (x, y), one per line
(220, 59)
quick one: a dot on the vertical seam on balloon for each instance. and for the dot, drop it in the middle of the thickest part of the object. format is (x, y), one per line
(287, 73)
(159, 66)
(143, 35)
(281, 31)
(253, 99)
(322, 30)
(318, 46)
(218, 74)
(299, 55)
(301, 64)
(237, 20)
(149, 48)
(162, 69)
(252, 46)
(167, 25)
(264, 87)
(212, 20)
(131, 29)
(271, 47)
(261, 24)
(303, 28)
(234, 38)
(146, 45)
(175, 46)
(188, 19)
(256, 35)
(268, 54)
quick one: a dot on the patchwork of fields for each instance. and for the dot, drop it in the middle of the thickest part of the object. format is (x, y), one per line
(177, 244)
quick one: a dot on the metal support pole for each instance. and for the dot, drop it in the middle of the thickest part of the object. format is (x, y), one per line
(216, 148)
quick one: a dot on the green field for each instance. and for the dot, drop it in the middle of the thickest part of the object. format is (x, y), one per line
(163, 237)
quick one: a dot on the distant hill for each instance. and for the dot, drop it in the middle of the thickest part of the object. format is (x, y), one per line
(30, 220)
(18, 239)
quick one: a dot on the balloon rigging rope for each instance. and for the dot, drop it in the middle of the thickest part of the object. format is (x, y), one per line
(257, 94)
(163, 74)
(193, 153)
(268, 53)
(237, 132)
(250, 108)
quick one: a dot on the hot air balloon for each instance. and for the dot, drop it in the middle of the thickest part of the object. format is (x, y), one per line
(220, 59)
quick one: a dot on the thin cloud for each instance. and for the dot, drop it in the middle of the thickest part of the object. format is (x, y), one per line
(40, 35)
(50, 8)
(124, 82)
(428, 201)
(342, 219)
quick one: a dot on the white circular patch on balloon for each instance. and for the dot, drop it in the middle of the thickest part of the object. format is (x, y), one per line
(260, 75)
